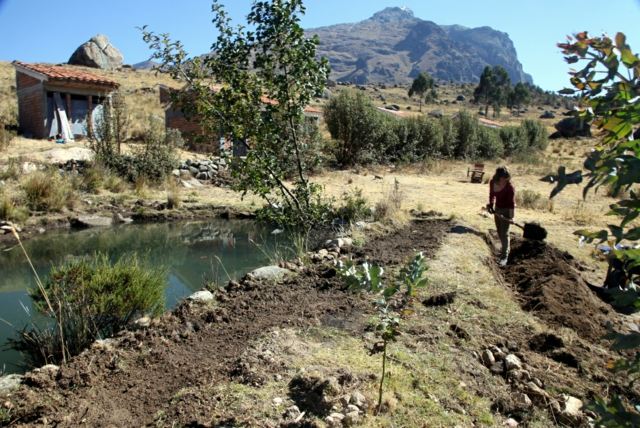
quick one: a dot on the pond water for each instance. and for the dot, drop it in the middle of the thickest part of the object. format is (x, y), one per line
(188, 250)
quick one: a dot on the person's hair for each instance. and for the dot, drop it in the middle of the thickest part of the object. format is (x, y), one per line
(501, 172)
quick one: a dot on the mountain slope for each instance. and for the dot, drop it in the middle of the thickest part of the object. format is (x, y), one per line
(393, 46)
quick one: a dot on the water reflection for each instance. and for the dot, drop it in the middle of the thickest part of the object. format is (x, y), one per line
(192, 252)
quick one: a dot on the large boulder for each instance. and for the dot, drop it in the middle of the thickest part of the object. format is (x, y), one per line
(98, 52)
(572, 127)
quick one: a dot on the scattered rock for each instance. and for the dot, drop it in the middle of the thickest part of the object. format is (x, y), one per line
(538, 395)
(143, 322)
(10, 383)
(292, 412)
(512, 362)
(119, 218)
(269, 273)
(277, 401)
(487, 358)
(351, 419)
(358, 399)
(28, 168)
(510, 423)
(571, 410)
(84, 222)
(339, 243)
(498, 353)
(202, 296)
(523, 401)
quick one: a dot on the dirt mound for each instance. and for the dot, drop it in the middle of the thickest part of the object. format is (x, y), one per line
(548, 283)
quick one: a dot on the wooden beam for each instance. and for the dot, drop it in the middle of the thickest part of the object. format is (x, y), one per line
(89, 116)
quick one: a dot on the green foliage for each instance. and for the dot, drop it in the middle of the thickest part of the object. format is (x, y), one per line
(423, 84)
(354, 207)
(352, 121)
(369, 278)
(267, 73)
(609, 87)
(10, 210)
(493, 89)
(518, 96)
(90, 299)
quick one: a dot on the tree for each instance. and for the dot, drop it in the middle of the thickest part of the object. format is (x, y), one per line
(518, 97)
(423, 84)
(609, 90)
(493, 89)
(264, 75)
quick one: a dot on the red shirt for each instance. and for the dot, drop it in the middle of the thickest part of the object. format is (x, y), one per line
(505, 198)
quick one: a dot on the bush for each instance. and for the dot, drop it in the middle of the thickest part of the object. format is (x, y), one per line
(355, 207)
(531, 199)
(47, 191)
(467, 136)
(10, 211)
(353, 123)
(512, 139)
(90, 299)
(535, 134)
(489, 144)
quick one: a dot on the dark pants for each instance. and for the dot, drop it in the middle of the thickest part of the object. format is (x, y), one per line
(503, 229)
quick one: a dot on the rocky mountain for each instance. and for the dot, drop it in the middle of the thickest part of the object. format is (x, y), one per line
(393, 46)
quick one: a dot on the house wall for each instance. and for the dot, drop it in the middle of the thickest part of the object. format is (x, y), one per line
(31, 106)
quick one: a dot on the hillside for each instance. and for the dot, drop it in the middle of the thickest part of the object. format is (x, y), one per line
(393, 46)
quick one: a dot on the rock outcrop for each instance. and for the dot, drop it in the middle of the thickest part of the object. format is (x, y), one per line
(98, 52)
(393, 46)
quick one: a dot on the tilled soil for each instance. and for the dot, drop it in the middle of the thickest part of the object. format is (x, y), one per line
(549, 284)
(138, 378)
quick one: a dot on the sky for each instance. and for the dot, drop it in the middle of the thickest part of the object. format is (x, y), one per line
(45, 31)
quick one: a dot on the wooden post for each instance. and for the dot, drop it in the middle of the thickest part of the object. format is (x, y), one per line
(89, 116)
(68, 102)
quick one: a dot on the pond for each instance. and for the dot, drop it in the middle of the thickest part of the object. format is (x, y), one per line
(192, 252)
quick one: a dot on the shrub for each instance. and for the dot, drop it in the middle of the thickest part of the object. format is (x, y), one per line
(449, 137)
(531, 199)
(47, 191)
(10, 211)
(353, 122)
(535, 134)
(489, 144)
(11, 171)
(466, 145)
(512, 139)
(92, 178)
(354, 207)
(90, 299)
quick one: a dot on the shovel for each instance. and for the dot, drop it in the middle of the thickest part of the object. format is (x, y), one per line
(532, 231)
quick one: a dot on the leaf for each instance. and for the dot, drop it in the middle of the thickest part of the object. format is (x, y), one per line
(628, 58)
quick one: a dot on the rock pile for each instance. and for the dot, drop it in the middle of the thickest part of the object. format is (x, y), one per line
(209, 170)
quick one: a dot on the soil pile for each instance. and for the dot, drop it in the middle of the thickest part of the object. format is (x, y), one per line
(548, 283)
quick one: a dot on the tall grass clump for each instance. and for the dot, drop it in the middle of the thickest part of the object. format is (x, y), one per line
(531, 199)
(47, 191)
(89, 299)
(11, 211)
(354, 207)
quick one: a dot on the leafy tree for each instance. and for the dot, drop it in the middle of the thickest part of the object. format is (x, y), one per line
(423, 84)
(609, 90)
(264, 75)
(493, 88)
(518, 96)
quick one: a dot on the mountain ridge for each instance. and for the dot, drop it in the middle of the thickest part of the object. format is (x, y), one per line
(394, 46)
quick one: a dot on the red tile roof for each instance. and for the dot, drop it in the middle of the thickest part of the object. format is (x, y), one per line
(56, 72)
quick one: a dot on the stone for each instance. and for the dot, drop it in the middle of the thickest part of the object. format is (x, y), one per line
(277, 401)
(460, 98)
(10, 383)
(538, 395)
(87, 221)
(105, 345)
(28, 167)
(487, 358)
(202, 176)
(358, 399)
(185, 174)
(351, 419)
(98, 52)
(268, 273)
(512, 362)
(119, 218)
(334, 419)
(339, 242)
(202, 296)
(193, 170)
(323, 253)
(498, 353)
(143, 322)
(571, 410)
(175, 173)
(292, 412)
(352, 408)
(523, 401)
(510, 423)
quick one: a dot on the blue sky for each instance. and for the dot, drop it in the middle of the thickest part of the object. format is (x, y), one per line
(45, 31)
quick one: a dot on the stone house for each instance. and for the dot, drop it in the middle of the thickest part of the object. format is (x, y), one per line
(192, 132)
(61, 100)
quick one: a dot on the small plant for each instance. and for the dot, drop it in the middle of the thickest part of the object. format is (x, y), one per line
(10, 211)
(47, 191)
(11, 171)
(89, 299)
(531, 199)
(173, 194)
(354, 207)
(369, 278)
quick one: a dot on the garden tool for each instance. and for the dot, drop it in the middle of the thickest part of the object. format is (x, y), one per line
(531, 230)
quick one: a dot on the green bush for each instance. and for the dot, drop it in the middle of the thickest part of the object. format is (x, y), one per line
(535, 134)
(512, 139)
(353, 123)
(489, 144)
(9, 210)
(90, 299)
(466, 146)
(449, 137)
(355, 207)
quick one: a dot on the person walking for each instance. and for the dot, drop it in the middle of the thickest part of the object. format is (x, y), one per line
(502, 204)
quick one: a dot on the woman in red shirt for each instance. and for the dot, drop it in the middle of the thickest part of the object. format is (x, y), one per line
(502, 203)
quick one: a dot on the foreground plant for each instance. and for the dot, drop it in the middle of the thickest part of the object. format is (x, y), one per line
(85, 300)
(368, 277)
(254, 88)
(609, 90)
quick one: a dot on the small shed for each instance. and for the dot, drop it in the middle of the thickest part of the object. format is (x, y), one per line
(62, 100)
